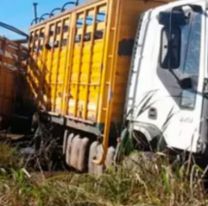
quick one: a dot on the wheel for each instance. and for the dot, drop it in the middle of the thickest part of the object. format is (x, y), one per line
(65, 142)
(99, 168)
(76, 142)
(92, 156)
(68, 148)
(110, 157)
(82, 157)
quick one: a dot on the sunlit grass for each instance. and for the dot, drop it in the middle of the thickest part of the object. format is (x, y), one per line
(141, 180)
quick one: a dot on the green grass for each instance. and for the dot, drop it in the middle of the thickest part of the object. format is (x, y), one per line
(9, 157)
(140, 180)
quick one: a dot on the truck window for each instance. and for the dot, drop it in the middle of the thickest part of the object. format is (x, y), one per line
(183, 62)
(180, 45)
(170, 48)
(191, 36)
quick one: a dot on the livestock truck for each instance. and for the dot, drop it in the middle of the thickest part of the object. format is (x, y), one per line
(97, 82)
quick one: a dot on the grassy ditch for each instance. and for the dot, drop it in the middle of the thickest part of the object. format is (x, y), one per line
(138, 181)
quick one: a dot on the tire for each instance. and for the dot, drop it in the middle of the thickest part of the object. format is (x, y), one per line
(99, 168)
(110, 157)
(65, 142)
(82, 157)
(76, 142)
(69, 148)
(92, 156)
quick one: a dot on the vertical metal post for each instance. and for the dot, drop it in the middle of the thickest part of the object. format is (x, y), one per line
(35, 12)
(77, 2)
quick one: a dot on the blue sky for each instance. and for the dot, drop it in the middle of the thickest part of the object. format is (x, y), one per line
(19, 13)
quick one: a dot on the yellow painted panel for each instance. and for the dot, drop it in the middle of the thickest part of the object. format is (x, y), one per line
(86, 71)
(86, 57)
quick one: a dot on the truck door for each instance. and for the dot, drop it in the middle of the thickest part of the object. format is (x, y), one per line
(180, 70)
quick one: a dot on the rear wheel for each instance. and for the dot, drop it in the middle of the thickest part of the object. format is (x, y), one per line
(76, 151)
(96, 150)
(92, 156)
(99, 169)
(65, 142)
(110, 158)
(76, 142)
(80, 154)
(68, 148)
(83, 154)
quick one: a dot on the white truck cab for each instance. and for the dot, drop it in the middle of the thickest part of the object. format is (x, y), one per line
(168, 84)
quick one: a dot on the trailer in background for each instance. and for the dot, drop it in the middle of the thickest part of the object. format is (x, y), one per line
(12, 69)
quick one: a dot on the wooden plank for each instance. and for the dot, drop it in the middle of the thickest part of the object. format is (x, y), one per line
(7, 60)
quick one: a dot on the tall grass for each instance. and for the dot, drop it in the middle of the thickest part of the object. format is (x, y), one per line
(9, 157)
(142, 180)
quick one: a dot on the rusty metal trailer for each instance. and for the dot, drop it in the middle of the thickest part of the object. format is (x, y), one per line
(12, 66)
(78, 71)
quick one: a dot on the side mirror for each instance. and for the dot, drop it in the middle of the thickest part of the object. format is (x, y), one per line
(186, 83)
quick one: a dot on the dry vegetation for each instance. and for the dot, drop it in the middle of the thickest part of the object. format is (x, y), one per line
(138, 182)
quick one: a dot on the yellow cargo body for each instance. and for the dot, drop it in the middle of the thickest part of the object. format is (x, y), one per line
(80, 61)
(11, 54)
